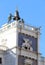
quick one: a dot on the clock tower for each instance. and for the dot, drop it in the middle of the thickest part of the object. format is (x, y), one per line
(19, 43)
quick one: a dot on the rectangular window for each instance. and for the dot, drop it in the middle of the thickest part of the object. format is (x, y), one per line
(0, 60)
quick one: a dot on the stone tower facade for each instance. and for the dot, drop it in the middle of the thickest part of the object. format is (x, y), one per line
(19, 43)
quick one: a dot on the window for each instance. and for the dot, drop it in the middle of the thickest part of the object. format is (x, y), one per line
(0, 60)
(25, 47)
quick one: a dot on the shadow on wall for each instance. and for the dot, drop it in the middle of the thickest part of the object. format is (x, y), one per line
(9, 58)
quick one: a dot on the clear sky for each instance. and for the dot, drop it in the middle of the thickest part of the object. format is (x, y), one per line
(32, 11)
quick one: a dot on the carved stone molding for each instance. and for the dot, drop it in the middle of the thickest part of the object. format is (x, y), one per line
(27, 45)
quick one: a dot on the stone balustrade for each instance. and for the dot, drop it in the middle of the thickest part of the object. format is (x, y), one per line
(19, 25)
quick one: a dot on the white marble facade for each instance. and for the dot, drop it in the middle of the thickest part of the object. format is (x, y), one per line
(10, 51)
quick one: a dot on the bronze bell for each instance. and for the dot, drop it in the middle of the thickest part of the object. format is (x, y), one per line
(16, 17)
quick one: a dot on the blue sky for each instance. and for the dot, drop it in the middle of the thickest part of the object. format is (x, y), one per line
(32, 11)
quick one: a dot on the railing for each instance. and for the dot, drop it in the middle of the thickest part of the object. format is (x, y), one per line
(19, 25)
(29, 28)
(7, 26)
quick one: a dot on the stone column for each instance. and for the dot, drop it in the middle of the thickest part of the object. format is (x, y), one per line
(16, 25)
(38, 48)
